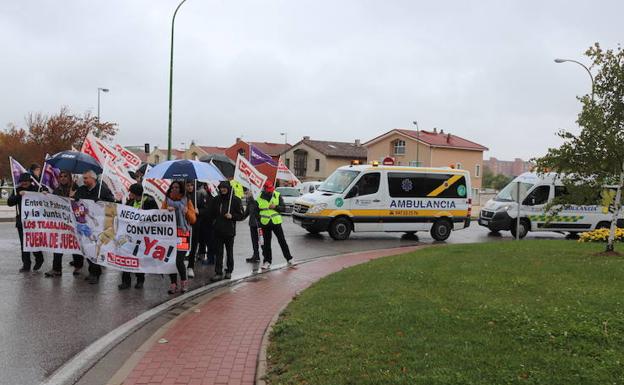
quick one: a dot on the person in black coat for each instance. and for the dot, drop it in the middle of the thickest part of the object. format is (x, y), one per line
(137, 200)
(25, 184)
(67, 188)
(198, 243)
(227, 209)
(252, 212)
(91, 190)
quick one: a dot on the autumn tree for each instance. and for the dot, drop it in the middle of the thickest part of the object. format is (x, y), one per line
(594, 157)
(48, 135)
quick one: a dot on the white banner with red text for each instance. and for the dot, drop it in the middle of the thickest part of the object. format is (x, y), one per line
(109, 234)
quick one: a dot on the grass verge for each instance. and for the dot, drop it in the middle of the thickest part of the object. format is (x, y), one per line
(530, 312)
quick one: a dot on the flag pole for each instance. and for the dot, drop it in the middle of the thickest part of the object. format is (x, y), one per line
(231, 194)
(42, 174)
(12, 175)
(102, 177)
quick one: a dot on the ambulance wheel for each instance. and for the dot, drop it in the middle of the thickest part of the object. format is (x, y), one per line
(340, 228)
(441, 229)
(524, 228)
(603, 225)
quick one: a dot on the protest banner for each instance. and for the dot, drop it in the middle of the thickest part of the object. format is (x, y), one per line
(109, 234)
(49, 224)
(157, 189)
(283, 173)
(248, 176)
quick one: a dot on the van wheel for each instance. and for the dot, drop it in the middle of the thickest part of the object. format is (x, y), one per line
(441, 230)
(340, 228)
(524, 228)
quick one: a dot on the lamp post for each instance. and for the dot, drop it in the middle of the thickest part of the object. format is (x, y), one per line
(103, 90)
(582, 65)
(171, 80)
(417, 143)
(285, 135)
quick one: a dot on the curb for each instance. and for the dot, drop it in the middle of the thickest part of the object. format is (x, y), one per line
(77, 366)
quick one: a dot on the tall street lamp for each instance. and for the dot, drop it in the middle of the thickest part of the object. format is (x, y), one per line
(417, 143)
(285, 135)
(171, 79)
(582, 65)
(102, 90)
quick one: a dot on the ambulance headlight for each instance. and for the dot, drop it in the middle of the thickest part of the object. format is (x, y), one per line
(503, 208)
(317, 208)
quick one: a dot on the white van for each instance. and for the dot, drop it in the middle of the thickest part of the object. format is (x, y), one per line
(536, 191)
(387, 198)
(308, 187)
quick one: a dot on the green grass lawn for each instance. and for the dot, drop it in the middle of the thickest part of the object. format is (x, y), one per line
(530, 312)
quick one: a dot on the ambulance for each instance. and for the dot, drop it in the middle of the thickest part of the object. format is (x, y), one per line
(376, 198)
(536, 191)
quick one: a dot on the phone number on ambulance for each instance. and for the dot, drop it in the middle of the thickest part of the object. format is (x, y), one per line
(409, 213)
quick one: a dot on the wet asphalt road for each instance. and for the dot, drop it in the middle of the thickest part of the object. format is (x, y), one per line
(46, 321)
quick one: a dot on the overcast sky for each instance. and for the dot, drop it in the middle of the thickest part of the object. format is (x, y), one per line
(333, 70)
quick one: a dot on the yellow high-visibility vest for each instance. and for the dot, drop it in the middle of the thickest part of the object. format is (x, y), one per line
(266, 214)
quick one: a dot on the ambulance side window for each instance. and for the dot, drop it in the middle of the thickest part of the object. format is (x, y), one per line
(368, 184)
(560, 191)
(539, 196)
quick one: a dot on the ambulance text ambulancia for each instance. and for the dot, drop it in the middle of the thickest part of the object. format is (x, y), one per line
(387, 198)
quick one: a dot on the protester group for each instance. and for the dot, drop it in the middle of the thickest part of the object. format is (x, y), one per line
(208, 212)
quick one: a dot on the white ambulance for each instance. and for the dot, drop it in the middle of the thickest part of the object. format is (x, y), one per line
(536, 191)
(387, 198)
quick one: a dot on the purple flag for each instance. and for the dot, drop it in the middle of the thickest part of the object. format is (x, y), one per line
(258, 157)
(16, 170)
(50, 176)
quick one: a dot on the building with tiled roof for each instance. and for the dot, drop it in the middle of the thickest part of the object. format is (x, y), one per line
(429, 149)
(312, 160)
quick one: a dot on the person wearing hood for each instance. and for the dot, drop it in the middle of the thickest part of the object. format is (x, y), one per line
(66, 188)
(25, 184)
(198, 245)
(251, 211)
(270, 205)
(226, 209)
(138, 200)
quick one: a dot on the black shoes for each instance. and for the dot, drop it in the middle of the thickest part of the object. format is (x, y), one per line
(38, 265)
(216, 278)
(253, 260)
(124, 286)
(227, 276)
(24, 270)
(139, 285)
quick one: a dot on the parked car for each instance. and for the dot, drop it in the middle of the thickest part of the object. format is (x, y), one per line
(290, 195)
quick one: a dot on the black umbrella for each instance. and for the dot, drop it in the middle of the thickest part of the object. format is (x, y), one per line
(74, 162)
(223, 163)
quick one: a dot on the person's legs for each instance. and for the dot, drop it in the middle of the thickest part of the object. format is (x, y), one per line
(57, 260)
(266, 247)
(211, 242)
(279, 234)
(253, 230)
(25, 255)
(220, 243)
(229, 250)
(126, 280)
(140, 280)
(94, 269)
(180, 264)
(195, 233)
(78, 261)
(38, 260)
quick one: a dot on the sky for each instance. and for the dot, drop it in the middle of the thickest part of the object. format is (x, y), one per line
(331, 70)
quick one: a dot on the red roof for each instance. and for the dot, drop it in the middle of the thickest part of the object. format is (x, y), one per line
(435, 139)
(213, 149)
(272, 149)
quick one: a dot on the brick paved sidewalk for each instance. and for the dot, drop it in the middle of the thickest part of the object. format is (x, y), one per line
(221, 343)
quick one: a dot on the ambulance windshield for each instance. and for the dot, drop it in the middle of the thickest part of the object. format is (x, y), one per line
(338, 181)
(510, 192)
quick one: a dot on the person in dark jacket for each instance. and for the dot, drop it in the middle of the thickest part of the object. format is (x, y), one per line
(198, 245)
(137, 200)
(66, 188)
(207, 228)
(227, 209)
(251, 212)
(25, 184)
(271, 205)
(91, 190)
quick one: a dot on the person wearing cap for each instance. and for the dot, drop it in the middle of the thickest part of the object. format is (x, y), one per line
(227, 209)
(25, 184)
(270, 204)
(137, 200)
(66, 188)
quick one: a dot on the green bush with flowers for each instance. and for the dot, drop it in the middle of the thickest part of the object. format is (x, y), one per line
(601, 235)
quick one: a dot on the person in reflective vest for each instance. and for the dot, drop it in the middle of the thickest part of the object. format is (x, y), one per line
(270, 204)
(137, 200)
(237, 188)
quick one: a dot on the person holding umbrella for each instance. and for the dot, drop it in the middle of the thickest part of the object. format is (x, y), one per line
(227, 209)
(25, 184)
(66, 188)
(177, 202)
